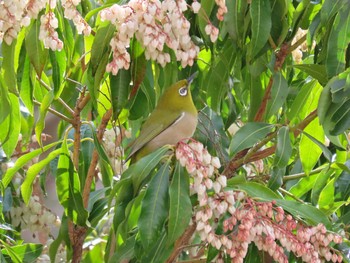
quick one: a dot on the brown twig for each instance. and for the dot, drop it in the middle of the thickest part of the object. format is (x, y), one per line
(92, 168)
(183, 240)
(242, 158)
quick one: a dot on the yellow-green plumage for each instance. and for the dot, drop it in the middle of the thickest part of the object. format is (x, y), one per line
(173, 119)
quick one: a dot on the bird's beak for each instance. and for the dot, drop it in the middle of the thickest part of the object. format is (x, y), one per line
(191, 78)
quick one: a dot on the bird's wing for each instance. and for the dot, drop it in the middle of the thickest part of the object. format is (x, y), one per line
(153, 127)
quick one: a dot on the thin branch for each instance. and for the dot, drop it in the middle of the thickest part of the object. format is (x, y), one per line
(301, 175)
(290, 194)
(65, 105)
(297, 44)
(183, 240)
(58, 114)
(92, 168)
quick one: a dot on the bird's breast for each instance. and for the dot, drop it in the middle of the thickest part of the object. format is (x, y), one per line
(181, 129)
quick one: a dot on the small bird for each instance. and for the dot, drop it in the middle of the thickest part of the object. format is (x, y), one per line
(173, 119)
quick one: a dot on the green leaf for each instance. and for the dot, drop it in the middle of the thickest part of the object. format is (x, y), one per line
(276, 179)
(143, 167)
(260, 13)
(302, 187)
(284, 147)
(180, 204)
(68, 188)
(101, 46)
(234, 19)
(35, 50)
(154, 208)
(8, 66)
(158, 252)
(10, 128)
(302, 101)
(316, 71)
(327, 153)
(5, 103)
(326, 198)
(40, 125)
(309, 154)
(21, 161)
(330, 8)
(124, 252)
(307, 212)
(248, 135)
(257, 190)
(338, 42)
(26, 187)
(217, 77)
(120, 89)
(320, 183)
(26, 87)
(279, 92)
(58, 62)
(138, 66)
(25, 253)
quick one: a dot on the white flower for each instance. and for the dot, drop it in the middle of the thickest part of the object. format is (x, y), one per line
(195, 7)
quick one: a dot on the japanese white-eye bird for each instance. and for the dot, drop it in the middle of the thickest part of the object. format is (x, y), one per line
(173, 119)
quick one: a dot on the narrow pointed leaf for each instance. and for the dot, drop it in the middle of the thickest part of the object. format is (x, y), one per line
(284, 147)
(279, 94)
(180, 204)
(248, 135)
(260, 13)
(154, 208)
(40, 125)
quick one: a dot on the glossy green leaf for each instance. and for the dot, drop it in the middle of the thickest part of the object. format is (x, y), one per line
(283, 148)
(40, 125)
(125, 252)
(101, 45)
(159, 252)
(180, 204)
(250, 134)
(69, 189)
(154, 209)
(10, 128)
(35, 50)
(302, 187)
(138, 66)
(143, 167)
(276, 179)
(217, 77)
(21, 161)
(320, 183)
(5, 104)
(309, 153)
(26, 87)
(8, 66)
(234, 19)
(330, 8)
(302, 100)
(258, 191)
(326, 198)
(23, 253)
(27, 185)
(260, 13)
(307, 212)
(58, 62)
(85, 155)
(327, 153)
(120, 89)
(279, 92)
(316, 71)
(338, 42)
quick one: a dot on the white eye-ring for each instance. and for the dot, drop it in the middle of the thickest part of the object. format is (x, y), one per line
(183, 91)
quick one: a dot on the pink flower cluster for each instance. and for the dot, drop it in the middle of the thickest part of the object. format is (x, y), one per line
(154, 24)
(12, 18)
(71, 13)
(48, 33)
(17, 14)
(249, 221)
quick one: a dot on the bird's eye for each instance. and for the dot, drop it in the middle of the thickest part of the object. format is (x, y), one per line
(183, 91)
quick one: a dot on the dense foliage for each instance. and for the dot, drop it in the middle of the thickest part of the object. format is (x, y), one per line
(266, 175)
